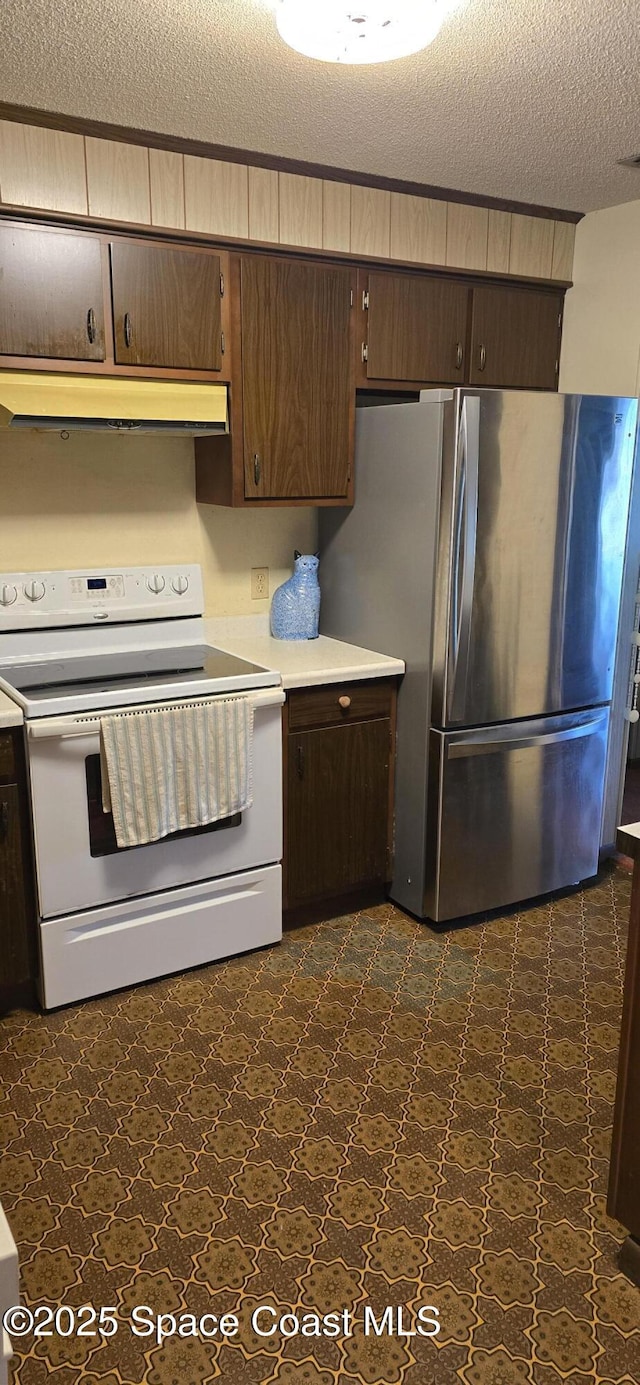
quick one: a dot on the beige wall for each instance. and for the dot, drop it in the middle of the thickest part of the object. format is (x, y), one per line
(601, 335)
(96, 500)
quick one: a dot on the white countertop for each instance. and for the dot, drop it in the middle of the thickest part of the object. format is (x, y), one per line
(628, 840)
(300, 663)
(10, 712)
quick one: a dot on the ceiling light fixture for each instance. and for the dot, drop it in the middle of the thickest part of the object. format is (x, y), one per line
(375, 31)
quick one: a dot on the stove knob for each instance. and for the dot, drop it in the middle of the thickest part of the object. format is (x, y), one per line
(34, 591)
(156, 583)
(8, 595)
(180, 585)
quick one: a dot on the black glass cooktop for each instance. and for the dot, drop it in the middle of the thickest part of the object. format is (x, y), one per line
(103, 672)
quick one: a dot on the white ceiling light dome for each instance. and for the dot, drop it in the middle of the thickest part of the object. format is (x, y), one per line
(375, 31)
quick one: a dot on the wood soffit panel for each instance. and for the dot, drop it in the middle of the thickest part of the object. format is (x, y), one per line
(31, 216)
(153, 140)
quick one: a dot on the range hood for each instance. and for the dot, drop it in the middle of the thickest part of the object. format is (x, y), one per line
(56, 401)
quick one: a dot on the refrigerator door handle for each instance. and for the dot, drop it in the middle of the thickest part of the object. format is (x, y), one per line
(454, 643)
(488, 745)
(464, 557)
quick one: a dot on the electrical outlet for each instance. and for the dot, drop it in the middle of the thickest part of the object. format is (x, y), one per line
(259, 583)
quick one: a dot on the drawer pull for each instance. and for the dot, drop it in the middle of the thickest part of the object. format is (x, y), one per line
(127, 330)
(300, 762)
(91, 326)
(345, 703)
(4, 821)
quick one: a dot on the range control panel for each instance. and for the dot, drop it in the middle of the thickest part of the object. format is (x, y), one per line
(107, 595)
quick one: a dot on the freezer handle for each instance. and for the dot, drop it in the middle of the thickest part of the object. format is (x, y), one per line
(464, 553)
(460, 750)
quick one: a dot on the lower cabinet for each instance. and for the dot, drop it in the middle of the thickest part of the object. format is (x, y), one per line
(338, 790)
(17, 921)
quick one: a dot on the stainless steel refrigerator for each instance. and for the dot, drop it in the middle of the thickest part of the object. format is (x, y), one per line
(486, 549)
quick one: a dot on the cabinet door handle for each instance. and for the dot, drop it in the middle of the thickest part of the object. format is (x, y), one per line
(300, 762)
(127, 330)
(91, 325)
(256, 469)
(459, 355)
(483, 358)
(344, 703)
(4, 821)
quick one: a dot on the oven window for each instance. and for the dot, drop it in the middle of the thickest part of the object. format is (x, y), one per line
(102, 833)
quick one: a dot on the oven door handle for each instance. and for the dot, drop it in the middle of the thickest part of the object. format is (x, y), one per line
(62, 728)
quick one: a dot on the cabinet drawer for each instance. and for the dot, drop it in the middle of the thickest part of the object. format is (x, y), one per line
(7, 756)
(310, 707)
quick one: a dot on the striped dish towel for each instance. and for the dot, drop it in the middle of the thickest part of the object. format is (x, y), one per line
(167, 770)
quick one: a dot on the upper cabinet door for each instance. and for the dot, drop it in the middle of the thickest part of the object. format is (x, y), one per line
(515, 338)
(51, 295)
(416, 329)
(298, 387)
(166, 306)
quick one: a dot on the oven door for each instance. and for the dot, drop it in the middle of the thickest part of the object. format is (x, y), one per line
(78, 863)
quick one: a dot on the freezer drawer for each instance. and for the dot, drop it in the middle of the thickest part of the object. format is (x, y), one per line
(514, 811)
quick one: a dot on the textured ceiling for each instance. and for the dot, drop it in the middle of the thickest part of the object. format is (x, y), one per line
(526, 99)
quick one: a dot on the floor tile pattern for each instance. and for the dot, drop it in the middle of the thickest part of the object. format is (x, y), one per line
(371, 1113)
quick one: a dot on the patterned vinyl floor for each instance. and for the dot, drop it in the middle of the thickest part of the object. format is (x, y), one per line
(369, 1114)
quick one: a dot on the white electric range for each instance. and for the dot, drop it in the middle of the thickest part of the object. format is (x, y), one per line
(75, 645)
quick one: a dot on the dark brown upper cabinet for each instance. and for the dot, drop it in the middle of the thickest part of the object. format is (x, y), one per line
(166, 306)
(51, 297)
(297, 378)
(515, 338)
(416, 328)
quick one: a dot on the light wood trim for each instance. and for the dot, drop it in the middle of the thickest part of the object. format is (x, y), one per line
(336, 216)
(263, 205)
(151, 139)
(498, 241)
(467, 236)
(51, 169)
(166, 173)
(300, 210)
(118, 181)
(42, 168)
(216, 197)
(564, 235)
(418, 229)
(531, 246)
(370, 221)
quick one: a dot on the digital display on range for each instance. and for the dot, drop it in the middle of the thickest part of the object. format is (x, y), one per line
(96, 584)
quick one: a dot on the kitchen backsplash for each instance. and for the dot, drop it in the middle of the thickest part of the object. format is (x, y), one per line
(92, 499)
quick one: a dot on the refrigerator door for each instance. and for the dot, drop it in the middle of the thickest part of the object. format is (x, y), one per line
(514, 811)
(535, 496)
